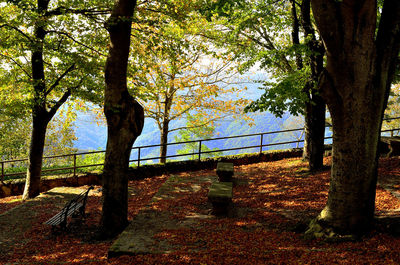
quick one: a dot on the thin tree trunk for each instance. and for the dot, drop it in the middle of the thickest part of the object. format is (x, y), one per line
(125, 119)
(314, 127)
(164, 141)
(42, 110)
(40, 117)
(314, 109)
(314, 124)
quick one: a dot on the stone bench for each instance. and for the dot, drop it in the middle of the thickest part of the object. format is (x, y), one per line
(225, 171)
(220, 195)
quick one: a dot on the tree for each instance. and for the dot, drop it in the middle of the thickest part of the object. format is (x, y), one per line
(188, 135)
(125, 119)
(361, 61)
(43, 46)
(177, 72)
(257, 32)
(15, 125)
(15, 136)
(315, 107)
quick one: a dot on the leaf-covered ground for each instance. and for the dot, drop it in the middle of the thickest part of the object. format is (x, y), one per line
(273, 202)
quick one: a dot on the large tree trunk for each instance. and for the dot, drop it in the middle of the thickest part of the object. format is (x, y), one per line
(35, 157)
(125, 119)
(42, 109)
(355, 85)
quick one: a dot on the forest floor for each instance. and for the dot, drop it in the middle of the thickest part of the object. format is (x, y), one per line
(274, 202)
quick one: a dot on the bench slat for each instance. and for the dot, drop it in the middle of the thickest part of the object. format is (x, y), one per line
(77, 204)
(58, 218)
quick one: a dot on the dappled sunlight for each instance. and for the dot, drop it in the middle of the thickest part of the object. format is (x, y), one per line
(384, 200)
(270, 199)
(9, 203)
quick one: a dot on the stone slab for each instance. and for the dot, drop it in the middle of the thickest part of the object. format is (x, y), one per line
(220, 192)
(225, 171)
(139, 236)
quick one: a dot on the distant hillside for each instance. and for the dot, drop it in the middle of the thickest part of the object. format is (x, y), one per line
(93, 137)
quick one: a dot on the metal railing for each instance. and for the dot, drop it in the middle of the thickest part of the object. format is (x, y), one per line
(258, 145)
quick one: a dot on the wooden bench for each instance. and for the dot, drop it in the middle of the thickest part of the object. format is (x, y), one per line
(225, 171)
(76, 206)
(220, 195)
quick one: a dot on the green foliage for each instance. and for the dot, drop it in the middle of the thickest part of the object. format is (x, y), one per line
(60, 134)
(90, 159)
(177, 72)
(259, 33)
(279, 96)
(74, 37)
(203, 132)
(15, 136)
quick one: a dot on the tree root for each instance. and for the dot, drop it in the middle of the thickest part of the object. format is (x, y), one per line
(317, 229)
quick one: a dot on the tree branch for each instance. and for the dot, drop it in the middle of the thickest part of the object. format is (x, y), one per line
(17, 30)
(61, 10)
(18, 64)
(59, 103)
(55, 84)
(76, 41)
(63, 99)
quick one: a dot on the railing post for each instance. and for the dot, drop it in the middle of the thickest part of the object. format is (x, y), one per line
(199, 150)
(74, 165)
(138, 159)
(261, 142)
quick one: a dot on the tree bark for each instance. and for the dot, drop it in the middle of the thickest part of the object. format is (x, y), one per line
(314, 124)
(164, 141)
(40, 116)
(125, 119)
(355, 85)
(35, 157)
(164, 130)
(314, 127)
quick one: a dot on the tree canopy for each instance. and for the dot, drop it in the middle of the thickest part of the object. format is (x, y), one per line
(44, 49)
(177, 72)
